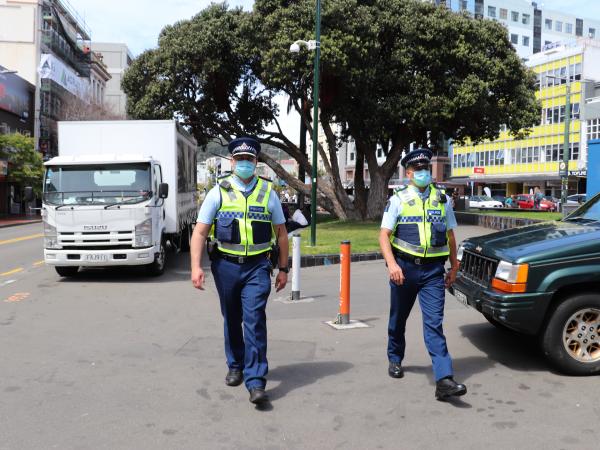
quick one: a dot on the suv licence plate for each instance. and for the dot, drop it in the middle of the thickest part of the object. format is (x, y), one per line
(96, 257)
(462, 298)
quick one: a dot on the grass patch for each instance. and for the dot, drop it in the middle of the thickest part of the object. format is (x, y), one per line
(522, 214)
(363, 236)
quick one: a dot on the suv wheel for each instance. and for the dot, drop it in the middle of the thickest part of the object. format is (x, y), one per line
(571, 340)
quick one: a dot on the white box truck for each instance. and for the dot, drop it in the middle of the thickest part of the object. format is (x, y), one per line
(117, 192)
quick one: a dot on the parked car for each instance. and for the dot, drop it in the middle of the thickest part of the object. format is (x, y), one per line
(542, 280)
(525, 201)
(483, 201)
(499, 198)
(576, 199)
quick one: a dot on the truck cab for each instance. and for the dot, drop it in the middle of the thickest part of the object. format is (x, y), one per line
(103, 211)
(543, 280)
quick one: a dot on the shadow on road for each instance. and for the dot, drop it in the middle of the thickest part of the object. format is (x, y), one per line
(515, 351)
(294, 376)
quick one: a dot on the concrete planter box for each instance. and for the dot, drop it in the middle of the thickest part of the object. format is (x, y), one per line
(493, 222)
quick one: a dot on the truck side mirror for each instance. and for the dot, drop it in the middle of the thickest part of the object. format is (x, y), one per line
(163, 190)
(29, 194)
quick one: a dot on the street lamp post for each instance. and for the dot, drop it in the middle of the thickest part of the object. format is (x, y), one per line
(563, 168)
(316, 46)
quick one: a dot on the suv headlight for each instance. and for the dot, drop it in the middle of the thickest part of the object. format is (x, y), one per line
(511, 277)
(143, 234)
(50, 237)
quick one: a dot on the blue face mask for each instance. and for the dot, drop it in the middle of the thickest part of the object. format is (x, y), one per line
(244, 169)
(422, 178)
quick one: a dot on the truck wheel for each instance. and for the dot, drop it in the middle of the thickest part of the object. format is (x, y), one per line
(571, 339)
(66, 271)
(157, 268)
(185, 238)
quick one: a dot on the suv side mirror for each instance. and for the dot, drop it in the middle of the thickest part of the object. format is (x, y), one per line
(29, 194)
(163, 190)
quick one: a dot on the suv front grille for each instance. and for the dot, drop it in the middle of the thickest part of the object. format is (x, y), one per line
(477, 268)
(96, 240)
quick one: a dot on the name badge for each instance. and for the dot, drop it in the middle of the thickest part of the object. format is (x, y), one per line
(257, 209)
(434, 212)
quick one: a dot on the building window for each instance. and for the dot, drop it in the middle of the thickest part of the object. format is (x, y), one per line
(558, 26)
(503, 13)
(492, 12)
(526, 41)
(592, 33)
(548, 24)
(547, 43)
(379, 152)
(514, 15)
(569, 28)
(526, 19)
(514, 38)
(593, 129)
(464, 5)
(351, 156)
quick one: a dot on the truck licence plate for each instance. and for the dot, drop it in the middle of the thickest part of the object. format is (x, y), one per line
(462, 298)
(96, 257)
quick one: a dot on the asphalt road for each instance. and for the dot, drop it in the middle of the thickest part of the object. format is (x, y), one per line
(113, 359)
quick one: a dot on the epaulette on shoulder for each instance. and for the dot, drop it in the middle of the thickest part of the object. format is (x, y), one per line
(439, 186)
(225, 184)
(225, 175)
(265, 178)
(400, 188)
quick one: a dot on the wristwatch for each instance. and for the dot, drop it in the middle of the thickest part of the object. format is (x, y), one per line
(284, 269)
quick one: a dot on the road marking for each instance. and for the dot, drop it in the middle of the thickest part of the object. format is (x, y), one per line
(38, 263)
(7, 282)
(22, 238)
(10, 272)
(17, 297)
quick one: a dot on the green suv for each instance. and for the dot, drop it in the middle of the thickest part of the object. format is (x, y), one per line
(543, 280)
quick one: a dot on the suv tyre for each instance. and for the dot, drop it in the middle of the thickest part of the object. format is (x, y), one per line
(571, 339)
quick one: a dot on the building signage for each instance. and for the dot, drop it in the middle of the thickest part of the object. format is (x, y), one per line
(578, 173)
(15, 94)
(478, 169)
(54, 69)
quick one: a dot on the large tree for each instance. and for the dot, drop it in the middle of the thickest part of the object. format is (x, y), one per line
(393, 72)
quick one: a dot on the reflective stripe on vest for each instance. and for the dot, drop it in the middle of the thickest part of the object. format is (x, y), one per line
(416, 223)
(233, 230)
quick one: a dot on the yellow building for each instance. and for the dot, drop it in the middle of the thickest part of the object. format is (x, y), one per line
(510, 166)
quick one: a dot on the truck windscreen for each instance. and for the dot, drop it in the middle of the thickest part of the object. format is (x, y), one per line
(100, 185)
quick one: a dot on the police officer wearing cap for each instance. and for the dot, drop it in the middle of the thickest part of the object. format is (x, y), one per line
(242, 220)
(416, 239)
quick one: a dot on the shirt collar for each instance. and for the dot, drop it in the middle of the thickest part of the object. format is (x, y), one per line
(241, 186)
(423, 194)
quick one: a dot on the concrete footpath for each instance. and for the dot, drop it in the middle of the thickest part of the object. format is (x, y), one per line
(112, 360)
(12, 220)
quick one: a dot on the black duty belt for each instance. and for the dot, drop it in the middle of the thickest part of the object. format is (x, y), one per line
(420, 261)
(241, 259)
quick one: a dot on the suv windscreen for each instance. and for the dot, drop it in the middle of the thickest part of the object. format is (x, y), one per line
(97, 185)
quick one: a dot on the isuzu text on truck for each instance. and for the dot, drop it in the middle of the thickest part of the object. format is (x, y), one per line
(117, 193)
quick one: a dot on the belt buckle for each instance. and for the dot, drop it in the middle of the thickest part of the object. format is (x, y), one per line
(241, 260)
(418, 261)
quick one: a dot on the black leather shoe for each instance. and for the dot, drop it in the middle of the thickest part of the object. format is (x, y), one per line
(234, 377)
(447, 387)
(258, 396)
(395, 370)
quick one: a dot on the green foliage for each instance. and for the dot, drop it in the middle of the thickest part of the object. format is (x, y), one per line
(392, 72)
(25, 164)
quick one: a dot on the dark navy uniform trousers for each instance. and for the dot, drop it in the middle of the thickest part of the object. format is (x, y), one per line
(426, 281)
(243, 291)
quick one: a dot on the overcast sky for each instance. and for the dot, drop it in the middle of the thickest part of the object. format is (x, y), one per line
(137, 23)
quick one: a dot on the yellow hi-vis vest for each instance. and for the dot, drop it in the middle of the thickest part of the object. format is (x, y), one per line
(421, 229)
(243, 225)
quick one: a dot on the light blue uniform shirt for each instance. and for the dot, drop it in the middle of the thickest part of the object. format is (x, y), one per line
(212, 202)
(393, 209)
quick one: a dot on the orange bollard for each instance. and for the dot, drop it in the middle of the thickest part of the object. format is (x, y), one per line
(344, 315)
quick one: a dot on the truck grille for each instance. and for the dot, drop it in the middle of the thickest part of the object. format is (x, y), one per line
(477, 268)
(96, 240)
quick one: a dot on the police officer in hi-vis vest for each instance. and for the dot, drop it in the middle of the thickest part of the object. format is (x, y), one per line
(243, 220)
(416, 239)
